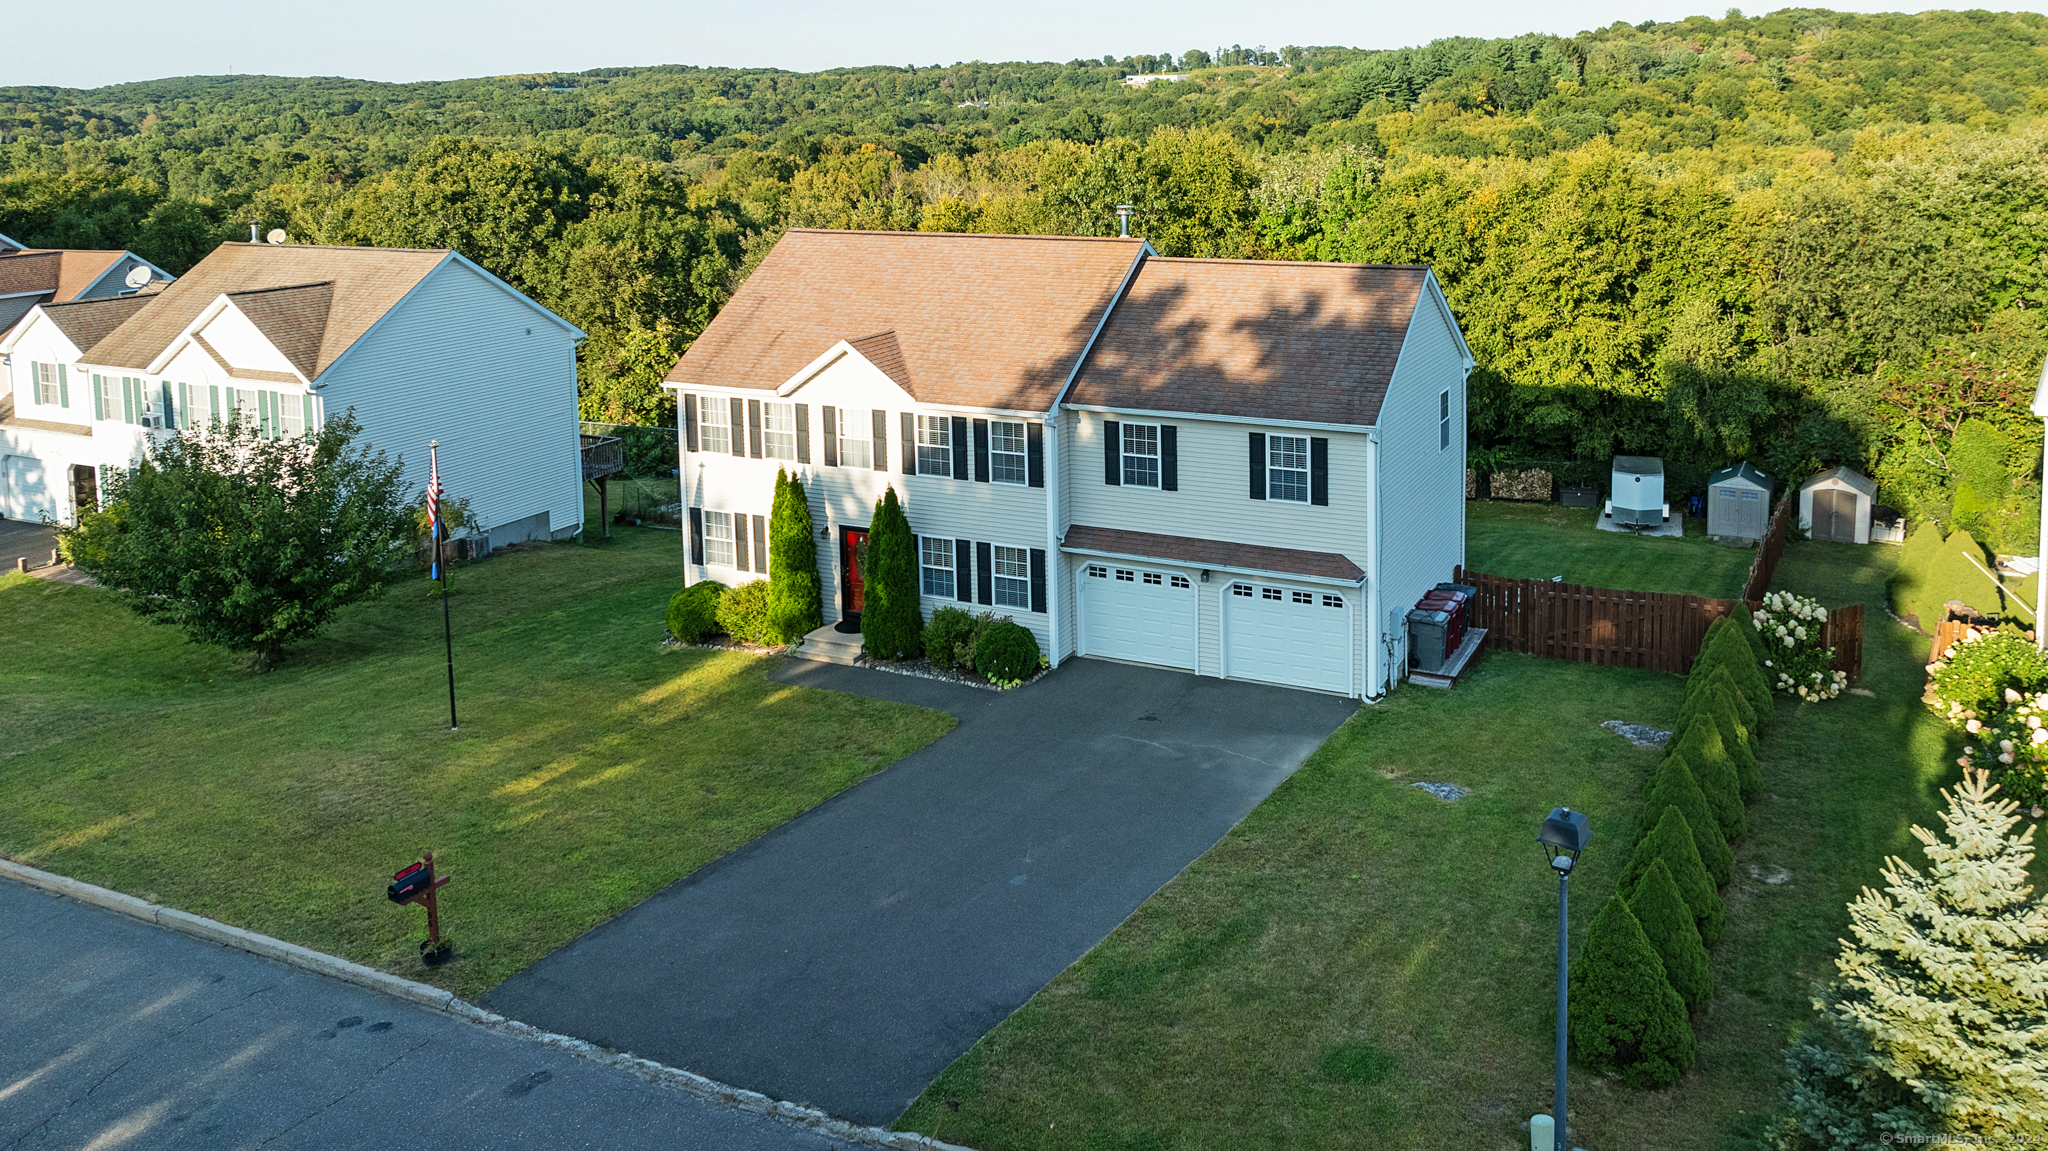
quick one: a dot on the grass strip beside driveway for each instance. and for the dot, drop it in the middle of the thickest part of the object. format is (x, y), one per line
(592, 769)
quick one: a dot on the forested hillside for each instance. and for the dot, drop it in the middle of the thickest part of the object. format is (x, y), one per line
(1805, 238)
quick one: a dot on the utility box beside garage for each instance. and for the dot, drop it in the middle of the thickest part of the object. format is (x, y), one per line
(1836, 505)
(1739, 503)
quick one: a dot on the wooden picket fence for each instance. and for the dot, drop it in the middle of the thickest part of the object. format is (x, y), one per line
(1654, 631)
(1765, 565)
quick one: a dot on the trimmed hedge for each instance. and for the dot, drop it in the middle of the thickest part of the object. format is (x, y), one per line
(1700, 744)
(1672, 842)
(1717, 704)
(1625, 1016)
(693, 611)
(1675, 786)
(1667, 920)
(1007, 653)
(743, 613)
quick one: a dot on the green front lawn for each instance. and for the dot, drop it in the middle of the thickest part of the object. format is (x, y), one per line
(592, 768)
(1538, 541)
(1359, 964)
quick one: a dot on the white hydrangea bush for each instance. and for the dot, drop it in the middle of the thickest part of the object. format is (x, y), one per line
(1792, 627)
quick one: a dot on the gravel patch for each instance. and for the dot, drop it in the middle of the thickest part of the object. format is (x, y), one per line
(926, 669)
(1448, 792)
(1637, 734)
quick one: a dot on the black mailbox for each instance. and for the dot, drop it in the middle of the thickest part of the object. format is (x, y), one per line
(408, 883)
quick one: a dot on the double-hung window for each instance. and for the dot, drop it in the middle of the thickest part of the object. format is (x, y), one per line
(1141, 455)
(48, 389)
(1443, 420)
(718, 538)
(1007, 462)
(1011, 573)
(111, 407)
(291, 414)
(855, 426)
(935, 566)
(934, 446)
(778, 431)
(712, 424)
(1287, 468)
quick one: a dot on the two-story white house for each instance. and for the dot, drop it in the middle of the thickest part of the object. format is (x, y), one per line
(1244, 469)
(421, 343)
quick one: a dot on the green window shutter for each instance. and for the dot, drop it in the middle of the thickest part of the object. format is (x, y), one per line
(128, 398)
(213, 403)
(307, 399)
(35, 384)
(99, 398)
(63, 386)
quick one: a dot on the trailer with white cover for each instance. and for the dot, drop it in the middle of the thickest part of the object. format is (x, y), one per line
(1635, 498)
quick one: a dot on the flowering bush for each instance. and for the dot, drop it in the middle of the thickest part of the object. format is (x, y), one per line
(1797, 664)
(1993, 685)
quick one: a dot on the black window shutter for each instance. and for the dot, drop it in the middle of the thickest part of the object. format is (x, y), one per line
(1112, 453)
(739, 541)
(1034, 454)
(1258, 465)
(736, 424)
(690, 423)
(696, 535)
(880, 449)
(831, 429)
(754, 428)
(963, 570)
(803, 433)
(981, 451)
(761, 544)
(960, 447)
(1038, 579)
(1319, 471)
(909, 443)
(984, 574)
(1169, 458)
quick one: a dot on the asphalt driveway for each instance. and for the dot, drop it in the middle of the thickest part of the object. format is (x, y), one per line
(845, 958)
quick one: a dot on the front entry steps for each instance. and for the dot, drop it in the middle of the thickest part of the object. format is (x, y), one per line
(830, 645)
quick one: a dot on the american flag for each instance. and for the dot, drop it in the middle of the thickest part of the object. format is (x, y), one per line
(434, 506)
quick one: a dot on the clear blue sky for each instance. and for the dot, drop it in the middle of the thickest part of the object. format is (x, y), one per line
(125, 40)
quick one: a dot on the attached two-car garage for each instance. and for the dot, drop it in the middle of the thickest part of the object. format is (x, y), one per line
(26, 491)
(1267, 630)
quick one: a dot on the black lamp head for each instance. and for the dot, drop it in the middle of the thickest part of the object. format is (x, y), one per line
(1565, 835)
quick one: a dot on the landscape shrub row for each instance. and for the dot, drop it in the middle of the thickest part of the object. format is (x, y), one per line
(1643, 970)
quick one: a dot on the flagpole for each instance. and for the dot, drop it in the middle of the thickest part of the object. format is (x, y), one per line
(440, 569)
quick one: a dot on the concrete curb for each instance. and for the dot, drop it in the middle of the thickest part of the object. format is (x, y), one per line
(435, 998)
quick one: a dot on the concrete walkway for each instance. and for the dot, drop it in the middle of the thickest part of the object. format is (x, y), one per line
(844, 959)
(115, 1032)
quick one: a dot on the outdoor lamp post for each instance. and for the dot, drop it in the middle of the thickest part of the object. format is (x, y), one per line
(1565, 835)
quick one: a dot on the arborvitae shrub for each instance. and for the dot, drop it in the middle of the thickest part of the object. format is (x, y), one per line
(693, 611)
(1744, 709)
(891, 620)
(795, 603)
(1700, 744)
(1715, 704)
(1007, 652)
(1916, 567)
(1671, 840)
(743, 613)
(1674, 786)
(1728, 649)
(1954, 577)
(1667, 920)
(1624, 1015)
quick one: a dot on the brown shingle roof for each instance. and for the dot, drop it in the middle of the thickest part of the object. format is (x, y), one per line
(87, 322)
(365, 284)
(80, 269)
(293, 319)
(30, 272)
(1254, 338)
(980, 321)
(1211, 553)
(882, 350)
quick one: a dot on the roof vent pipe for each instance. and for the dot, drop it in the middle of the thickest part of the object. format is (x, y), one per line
(1123, 220)
(253, 225)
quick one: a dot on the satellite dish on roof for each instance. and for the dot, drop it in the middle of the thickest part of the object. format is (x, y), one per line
(275, 235)
(138, 276)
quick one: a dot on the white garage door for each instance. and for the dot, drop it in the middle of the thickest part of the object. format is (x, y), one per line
(1144, 615)
(1297, 636)
(25, 489)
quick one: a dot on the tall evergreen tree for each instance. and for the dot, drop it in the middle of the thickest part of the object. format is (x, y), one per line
(1671, 840)
(1674, 786)
(891, 622)
(1947, 981)
(1668, 921)
(795, 604)
(1624, 1015)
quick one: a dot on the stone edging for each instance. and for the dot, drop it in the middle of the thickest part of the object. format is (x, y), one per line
(436, 999)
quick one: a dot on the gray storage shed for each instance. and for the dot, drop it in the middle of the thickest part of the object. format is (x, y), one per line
(1739, 502)
(1836, 505)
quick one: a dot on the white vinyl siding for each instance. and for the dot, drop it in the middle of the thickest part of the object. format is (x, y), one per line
(718, 539)
(778, 431)
(1012, 576)
(1287, 468)
(935, 566)
(856, 426)
(712, 424)
(1006, 452)
(934, 445)
(1141, 455)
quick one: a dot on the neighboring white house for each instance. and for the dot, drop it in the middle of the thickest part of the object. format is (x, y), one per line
(31, 276)
(422, 344)
(1247, 469)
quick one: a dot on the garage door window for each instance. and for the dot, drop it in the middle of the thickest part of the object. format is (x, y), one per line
(1304, 597)
(1012, 570)
(1269, 593)
(1336, 601)
(1180, 581)
(1097, 571)
(935, 566)
(1243, 589)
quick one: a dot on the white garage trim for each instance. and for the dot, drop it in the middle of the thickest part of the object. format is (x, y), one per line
(1219, 571)
(1277, 632)
(1137, 612)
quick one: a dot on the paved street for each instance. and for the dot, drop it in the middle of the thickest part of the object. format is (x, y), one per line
(119, 1033)
(845, 958)
(19, 539)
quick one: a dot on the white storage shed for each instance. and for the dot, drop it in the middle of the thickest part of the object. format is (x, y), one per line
(1739, 502)
(1836, 505)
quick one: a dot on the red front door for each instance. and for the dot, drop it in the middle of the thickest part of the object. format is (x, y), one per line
(850, 549)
